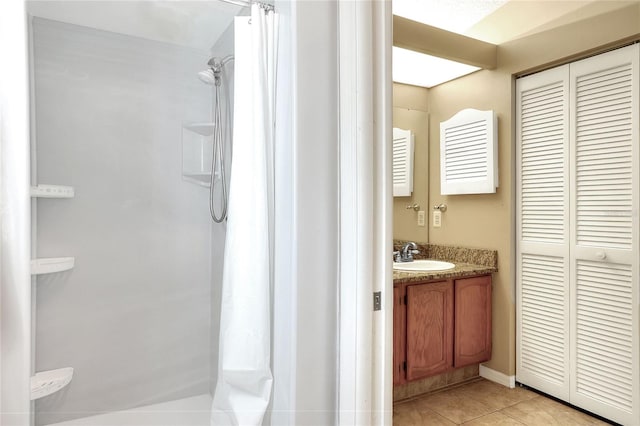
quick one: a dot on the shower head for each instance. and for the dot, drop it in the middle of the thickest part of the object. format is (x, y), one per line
(212, 75)
(207, 76)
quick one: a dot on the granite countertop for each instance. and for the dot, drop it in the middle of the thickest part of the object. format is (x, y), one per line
(469, 262)
(461, 270)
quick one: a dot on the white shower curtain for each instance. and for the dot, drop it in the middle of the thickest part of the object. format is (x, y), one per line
(244, 381)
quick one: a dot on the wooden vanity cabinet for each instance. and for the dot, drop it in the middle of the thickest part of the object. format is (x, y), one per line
(429, 329)
(399, 341)
(439, 326)
(472, 321)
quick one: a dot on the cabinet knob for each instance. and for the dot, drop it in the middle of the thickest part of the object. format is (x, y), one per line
(601, 255)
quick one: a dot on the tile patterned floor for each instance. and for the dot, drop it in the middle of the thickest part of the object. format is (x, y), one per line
(487, 403)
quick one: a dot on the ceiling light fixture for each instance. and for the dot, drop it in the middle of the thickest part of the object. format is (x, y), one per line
(418, 69)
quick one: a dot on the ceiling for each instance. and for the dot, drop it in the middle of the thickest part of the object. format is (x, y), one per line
(197, 24)
(520, 18)
(491, 21)
(498, 21)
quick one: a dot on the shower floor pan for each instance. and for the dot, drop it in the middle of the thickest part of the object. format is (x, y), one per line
(193, 411)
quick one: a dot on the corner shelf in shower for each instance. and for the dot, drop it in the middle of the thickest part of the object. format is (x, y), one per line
(52, 191)
(49, 265)
(47, 382)
(197, 152)
(204, 129)
(202, 179)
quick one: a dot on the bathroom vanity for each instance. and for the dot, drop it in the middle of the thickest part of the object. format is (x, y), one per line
(440, 325)
(442, 319)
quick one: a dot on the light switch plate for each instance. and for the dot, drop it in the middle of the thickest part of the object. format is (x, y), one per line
(421, 218)
(437, 219)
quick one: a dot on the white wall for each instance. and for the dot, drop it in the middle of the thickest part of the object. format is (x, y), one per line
(133, 316)
(316, 209)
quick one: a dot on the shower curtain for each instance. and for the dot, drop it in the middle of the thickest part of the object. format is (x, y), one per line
(244, 383)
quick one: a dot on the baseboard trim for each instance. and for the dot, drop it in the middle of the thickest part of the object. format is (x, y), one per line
(497, 377)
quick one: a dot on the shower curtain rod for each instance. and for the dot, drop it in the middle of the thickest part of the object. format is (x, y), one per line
(248, 3)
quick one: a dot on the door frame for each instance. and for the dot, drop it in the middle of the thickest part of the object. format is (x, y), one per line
(365, 96)
(15, 223)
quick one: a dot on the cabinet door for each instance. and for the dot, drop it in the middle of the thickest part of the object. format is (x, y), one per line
(472, 321)
(399, 337)
(429, 329)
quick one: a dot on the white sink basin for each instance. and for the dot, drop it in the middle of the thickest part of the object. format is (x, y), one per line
(423, 265)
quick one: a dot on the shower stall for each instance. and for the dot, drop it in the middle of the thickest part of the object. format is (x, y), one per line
(130, 157)
(119, 324)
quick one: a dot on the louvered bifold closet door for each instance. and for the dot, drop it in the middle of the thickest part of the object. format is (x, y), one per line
(542, 231)
(604, 234)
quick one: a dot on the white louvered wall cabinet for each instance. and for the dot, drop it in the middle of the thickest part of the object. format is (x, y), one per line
(577, 233)
(469, 153)
(403, 146)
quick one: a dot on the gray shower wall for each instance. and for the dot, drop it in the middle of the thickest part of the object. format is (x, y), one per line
(223, 47)
(134, 316)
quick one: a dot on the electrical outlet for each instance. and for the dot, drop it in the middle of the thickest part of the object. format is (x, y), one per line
(421, 218)
(437, 219)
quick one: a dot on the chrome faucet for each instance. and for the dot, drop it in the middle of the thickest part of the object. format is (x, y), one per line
(407, 252)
